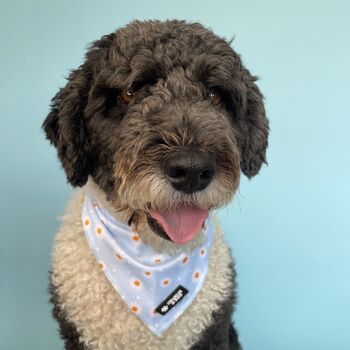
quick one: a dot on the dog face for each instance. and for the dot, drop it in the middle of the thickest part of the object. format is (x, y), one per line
(163, 116)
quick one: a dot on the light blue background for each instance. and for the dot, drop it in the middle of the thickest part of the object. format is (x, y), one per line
(288, 228)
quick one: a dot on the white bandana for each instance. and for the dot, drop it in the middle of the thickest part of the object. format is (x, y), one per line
(156, 287)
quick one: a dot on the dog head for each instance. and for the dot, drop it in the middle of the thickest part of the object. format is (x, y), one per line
(163, 116)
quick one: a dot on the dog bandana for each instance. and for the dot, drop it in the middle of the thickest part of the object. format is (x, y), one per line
(156, 287)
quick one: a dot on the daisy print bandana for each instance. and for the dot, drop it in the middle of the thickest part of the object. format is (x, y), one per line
(156, 287)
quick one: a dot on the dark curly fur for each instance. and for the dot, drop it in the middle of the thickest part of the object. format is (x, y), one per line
(68, 331)
(142, 55)
(173, 68)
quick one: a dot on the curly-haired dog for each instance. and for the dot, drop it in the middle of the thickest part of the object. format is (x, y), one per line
(155, 126)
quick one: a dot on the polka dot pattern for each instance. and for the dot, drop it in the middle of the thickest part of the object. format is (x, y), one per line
(165, 282)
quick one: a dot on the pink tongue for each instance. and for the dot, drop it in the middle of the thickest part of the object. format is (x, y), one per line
(182, 224)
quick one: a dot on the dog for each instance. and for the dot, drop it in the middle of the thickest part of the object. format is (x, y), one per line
(154, 129)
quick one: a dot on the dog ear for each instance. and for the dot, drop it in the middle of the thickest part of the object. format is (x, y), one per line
(65, 128)
(65, 124)
(255, 129)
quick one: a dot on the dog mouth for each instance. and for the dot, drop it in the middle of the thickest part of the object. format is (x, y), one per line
(179, 225)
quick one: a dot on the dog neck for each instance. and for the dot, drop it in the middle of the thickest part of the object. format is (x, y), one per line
(138, 221)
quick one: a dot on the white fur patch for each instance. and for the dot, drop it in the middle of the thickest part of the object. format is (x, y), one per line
(102, 319)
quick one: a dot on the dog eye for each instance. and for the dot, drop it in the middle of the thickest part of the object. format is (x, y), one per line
(126, 96)
(215, 98)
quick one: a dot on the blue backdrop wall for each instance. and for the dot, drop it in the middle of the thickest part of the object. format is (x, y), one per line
(288, 228)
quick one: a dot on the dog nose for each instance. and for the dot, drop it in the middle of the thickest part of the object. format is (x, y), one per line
(190, 171)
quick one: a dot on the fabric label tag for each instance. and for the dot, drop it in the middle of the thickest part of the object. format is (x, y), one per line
(175, 297)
